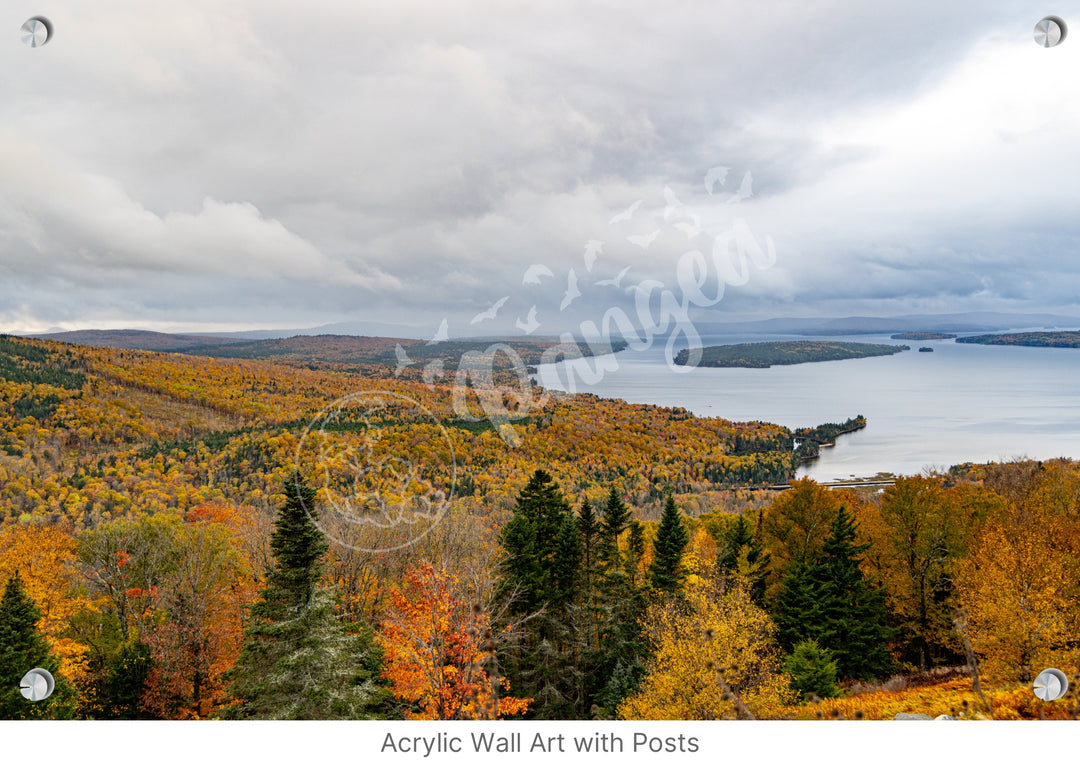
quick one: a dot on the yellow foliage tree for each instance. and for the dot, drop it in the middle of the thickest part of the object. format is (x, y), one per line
(44, 555)
(714, 657)
(1019, 587)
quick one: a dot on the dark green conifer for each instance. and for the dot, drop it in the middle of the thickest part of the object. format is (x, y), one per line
(616, 521)
(298, 661)
(797, 610)
(855, 611)
(665, 571)
(826, 598)
(812, 670)
(531, 541)
(541, 576)
(23, 648)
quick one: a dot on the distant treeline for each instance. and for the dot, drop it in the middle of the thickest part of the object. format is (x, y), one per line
(1028, 339)
(918, 336)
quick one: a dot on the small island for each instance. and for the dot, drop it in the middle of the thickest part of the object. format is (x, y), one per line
(1027, 339)
(762, 355)
(926, 349)
(919, 336)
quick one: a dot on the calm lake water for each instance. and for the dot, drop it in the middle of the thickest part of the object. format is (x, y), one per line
(960, 403)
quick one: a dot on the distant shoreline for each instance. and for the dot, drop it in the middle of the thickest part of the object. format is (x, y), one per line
(1069, 339)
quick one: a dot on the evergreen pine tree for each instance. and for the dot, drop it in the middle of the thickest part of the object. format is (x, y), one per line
(665, 571)
(541, 580)
(741, 552)
(567, 567)
(812, 670)
(797, 609)
(297, 660)
(616, 520)
(617, 666)
(589, 530)
(23, 648)
(532, 545)
(825, 598)
(298, 546)
(855, 611)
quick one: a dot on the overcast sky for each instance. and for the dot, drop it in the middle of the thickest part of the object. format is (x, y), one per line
(219, 165)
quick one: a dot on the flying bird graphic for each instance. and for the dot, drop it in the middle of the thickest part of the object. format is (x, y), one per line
(442, 334)
(746, 189)
(716, 175)
(626, 214)
(530, 323)
(432, 372)
(491, 311)
(572, 291)
(615, 281)
(534, 273)
(403, 359)
(673, 203)
(643, 240)
(593, 248)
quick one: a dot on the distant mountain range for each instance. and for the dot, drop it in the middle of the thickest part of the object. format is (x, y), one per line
(136, 339)
(960, 322)
(391, 333)
(394, 352)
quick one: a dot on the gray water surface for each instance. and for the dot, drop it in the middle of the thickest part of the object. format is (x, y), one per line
(960, 403)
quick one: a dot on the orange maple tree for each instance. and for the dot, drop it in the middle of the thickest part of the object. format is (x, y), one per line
(199, 635)
(437, 648)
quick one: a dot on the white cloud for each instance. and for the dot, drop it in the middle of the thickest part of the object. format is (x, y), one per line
(408, 160)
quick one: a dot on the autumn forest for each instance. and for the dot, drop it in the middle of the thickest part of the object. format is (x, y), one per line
(174, 545)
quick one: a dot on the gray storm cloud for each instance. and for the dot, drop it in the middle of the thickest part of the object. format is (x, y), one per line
(205, 164)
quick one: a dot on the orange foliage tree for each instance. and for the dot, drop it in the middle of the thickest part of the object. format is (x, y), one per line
(44, 555)
(436, 649)
(203, 601)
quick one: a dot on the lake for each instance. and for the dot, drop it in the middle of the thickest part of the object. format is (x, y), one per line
(960, 403)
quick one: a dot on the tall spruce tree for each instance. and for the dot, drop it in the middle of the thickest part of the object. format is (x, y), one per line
(616, 521)
(618, 665)
(826, 598)
(798, 607)
(531, 540)
(23, 648)
(589, 531)
(854, 609)
(298, 661)
(665, 571)
(541, 576)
